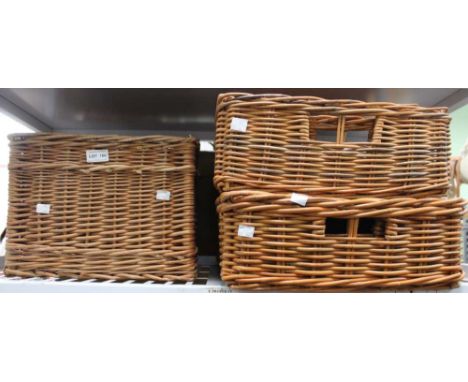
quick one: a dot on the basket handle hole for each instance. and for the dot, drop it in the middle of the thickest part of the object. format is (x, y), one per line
(340, 129)
(370, 227)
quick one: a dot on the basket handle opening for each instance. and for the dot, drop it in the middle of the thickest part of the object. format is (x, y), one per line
(341, 129)
(355, 227)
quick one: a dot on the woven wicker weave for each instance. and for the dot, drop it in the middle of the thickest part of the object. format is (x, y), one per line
(375, 242)
(403, 149)
(104, 221)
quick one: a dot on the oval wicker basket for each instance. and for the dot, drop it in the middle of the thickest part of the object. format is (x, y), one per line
(339, 147)
(271, 243)
(101, 220)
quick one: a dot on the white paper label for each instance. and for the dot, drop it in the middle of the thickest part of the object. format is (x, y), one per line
(43, 208)
(239, 124)
(95, 156)
(245, 230)
(300, 199)
(163, 195)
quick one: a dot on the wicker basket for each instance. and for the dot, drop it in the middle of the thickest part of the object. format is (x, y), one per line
(270, 243)
(339, 147)
(123, 212)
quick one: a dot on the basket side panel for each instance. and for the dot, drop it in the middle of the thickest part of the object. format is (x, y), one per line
(413, 243)
(105, 221)
(406, 151)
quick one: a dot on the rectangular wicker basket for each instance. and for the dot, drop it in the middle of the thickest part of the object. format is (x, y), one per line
(123, 212)
(270, 243)
(339, 147)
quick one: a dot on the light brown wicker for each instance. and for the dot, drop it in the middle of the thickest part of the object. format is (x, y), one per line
(338, 243)
(309, 144)
(104, 219)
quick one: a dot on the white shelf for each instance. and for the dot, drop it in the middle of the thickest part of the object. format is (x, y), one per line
(212, 285)
(207, 282)
(42, 285)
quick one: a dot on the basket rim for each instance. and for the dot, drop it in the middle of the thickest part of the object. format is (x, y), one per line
(322, 205)
(13, 138)
(311, 102)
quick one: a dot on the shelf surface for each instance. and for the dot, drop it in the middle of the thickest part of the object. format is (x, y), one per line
(207, 282)
(211, 284)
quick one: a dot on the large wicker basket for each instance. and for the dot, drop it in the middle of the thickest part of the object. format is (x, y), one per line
(339, 147)
(270, 243)
(124, 212)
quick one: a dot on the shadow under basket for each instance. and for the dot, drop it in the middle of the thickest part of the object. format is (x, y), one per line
(101, 207)
(338, 244)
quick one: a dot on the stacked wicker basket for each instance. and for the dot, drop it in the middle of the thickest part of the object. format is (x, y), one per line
(334, 194)
(101, 207)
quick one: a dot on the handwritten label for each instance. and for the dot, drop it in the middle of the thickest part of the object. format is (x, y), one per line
(43, 208)
(239, 124)
(300, 199)
(163, 195)
(96, 156)
(245, 231)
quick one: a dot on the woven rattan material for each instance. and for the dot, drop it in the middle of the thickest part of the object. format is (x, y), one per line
(339, 147)
(104, 220)
(384, 243)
